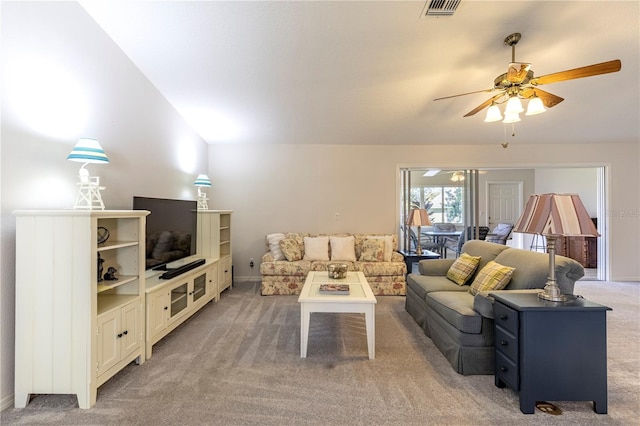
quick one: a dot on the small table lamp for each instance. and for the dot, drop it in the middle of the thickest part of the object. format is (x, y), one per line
(88, 151)
(418, 217)
(555, 215)
(202, 181)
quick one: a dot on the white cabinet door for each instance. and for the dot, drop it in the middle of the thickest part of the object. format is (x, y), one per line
(108, 341)
(159, 312)
(129, 341)
(225, 278)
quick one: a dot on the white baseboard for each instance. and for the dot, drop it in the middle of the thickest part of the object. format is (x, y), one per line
(7, 402)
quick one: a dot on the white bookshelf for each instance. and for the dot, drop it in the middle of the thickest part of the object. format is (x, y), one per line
(74, 332)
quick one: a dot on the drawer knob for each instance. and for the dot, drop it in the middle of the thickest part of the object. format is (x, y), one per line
(503, 317)
(503, 369)
(503, 342)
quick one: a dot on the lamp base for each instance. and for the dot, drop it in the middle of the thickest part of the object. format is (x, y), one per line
(552, 293)
(202, 202)
(89, 197)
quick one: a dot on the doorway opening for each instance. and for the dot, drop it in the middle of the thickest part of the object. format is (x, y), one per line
(484, 197)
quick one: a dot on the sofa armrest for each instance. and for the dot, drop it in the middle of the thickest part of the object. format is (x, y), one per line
(397, 257)
(483, 300)
(437, 267)
(267, 257)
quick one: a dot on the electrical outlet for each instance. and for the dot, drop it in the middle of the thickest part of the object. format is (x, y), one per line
(251, 262)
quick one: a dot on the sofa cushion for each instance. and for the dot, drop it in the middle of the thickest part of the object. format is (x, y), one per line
(486, 251)
(372, 250)
(463, 268)
(456, 307)
(321, 265)
(382, 269)
(532, 270)
(423, 284)
(298, 268)
(493, 276)
(273, 241)
(290, 249)
(342, 248)
(316, 248)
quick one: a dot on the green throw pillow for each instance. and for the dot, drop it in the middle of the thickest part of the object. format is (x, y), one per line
(463, 268)
(493, 276)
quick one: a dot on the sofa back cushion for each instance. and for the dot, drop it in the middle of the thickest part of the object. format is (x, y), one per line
(342, 248)
(532, 270)
(486, 251)
(316, 248)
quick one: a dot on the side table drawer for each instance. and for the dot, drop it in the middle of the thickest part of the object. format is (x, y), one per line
(507, 371)
(506, 343)
(506, 318)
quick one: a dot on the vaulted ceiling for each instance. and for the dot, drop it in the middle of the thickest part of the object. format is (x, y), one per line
(366, 72)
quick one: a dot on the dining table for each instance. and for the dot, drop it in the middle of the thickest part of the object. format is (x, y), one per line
(440, 238)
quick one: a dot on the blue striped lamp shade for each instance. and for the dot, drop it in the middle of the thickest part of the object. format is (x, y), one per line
(202, 180)
(88, 151)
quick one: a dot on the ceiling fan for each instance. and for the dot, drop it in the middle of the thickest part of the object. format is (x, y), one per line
(519, 82)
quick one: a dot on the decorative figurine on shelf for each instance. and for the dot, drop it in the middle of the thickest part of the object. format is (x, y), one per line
(111, 274)
(103, 234)
(100, 267)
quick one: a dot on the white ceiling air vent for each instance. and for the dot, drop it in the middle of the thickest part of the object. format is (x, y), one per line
(440, 7)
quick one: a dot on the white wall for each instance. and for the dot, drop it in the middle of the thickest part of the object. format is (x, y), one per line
(152, 150)
(583, 182)
(300, 188)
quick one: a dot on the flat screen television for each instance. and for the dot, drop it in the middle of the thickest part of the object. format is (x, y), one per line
(171, 230)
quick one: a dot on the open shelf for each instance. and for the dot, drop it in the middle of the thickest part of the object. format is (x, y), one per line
(122, 280)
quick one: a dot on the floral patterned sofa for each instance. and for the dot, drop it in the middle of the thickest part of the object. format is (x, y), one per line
(291, 256)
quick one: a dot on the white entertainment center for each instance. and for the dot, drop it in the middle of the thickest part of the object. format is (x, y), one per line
(75, 331)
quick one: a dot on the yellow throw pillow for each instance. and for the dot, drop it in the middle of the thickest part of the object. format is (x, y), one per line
(463, 268)
(493, 276)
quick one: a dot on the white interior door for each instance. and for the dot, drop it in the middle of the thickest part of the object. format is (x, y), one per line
(504, 202)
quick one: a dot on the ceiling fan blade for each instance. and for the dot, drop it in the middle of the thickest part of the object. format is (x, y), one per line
(517, 72)
(484, 104)
(548, 99)
(464, 94)
(588, 71)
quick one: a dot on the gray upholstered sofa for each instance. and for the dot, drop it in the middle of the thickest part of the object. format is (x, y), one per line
(461, 324)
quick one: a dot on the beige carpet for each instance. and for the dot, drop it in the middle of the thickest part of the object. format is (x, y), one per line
(238, 362)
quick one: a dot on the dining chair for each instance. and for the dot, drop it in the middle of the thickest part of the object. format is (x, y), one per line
(500, 233)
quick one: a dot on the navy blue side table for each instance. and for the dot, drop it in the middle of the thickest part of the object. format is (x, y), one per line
(551, 351)
(410, 257)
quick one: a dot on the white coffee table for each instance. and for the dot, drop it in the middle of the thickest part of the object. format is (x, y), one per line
(359, 300)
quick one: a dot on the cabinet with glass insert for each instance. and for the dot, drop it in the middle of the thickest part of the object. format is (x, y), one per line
(171, 302)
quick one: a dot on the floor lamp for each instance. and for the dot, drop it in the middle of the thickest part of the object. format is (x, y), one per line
(418, 217)
(555, 215)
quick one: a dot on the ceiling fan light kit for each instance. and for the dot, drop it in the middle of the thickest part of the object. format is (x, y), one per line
(519, 83)
(535, 106)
